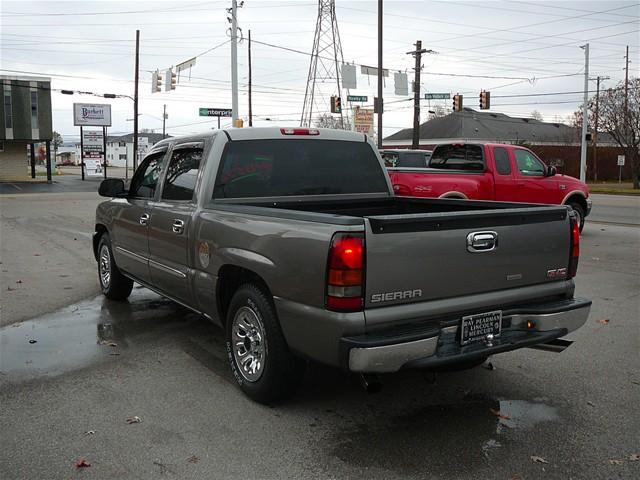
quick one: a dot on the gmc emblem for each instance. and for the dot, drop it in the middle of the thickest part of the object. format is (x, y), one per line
(557, 273)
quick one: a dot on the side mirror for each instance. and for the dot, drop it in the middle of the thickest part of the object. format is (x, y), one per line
(551, 171)
(112, 187)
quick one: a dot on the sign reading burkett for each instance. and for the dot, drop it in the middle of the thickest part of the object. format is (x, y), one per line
(363, 120)
(91, 114)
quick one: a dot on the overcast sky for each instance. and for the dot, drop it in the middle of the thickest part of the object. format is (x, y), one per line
(511, 48)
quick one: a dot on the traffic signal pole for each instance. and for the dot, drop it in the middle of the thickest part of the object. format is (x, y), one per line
(234, 62)
(135, 104)
(380, 102)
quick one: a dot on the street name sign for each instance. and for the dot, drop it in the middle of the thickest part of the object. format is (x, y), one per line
(215, 112)
(437, 96)
(357, 98)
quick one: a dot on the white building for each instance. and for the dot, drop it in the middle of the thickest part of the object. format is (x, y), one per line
(120, 148)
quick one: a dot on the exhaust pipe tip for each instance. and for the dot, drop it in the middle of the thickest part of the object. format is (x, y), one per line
(370, 382)
(558, 345)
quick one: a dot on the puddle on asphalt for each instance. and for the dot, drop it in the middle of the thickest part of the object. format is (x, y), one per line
(86, 332)
(468, 427)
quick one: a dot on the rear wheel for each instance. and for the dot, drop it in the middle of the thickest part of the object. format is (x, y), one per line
(113, 283)
(579, 211)
(263, 366)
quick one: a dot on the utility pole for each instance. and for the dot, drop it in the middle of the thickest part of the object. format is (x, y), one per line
(135, 104)
(417, 53)
(164, 119)
(585, 119)
(595, 128)
(234, 62)
(380, 102)
(250, 106)
(626, 93)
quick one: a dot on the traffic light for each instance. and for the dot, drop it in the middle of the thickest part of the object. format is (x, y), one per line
(457, 103)
(336, 104)
(170, 80)
(485, 100)
(156, 82)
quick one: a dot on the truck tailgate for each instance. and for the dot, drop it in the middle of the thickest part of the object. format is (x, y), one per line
(420, 257)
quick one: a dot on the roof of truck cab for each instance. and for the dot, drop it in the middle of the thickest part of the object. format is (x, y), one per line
(266, 133)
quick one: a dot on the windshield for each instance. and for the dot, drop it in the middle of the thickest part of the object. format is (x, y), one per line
(274, 168)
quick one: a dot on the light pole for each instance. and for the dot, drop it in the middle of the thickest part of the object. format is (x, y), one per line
(585, 119)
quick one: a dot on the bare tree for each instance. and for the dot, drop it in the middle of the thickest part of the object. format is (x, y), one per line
(624, 127)
(326, 120)
(536, 115)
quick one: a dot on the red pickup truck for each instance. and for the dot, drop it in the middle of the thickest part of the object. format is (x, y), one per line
(491, 171)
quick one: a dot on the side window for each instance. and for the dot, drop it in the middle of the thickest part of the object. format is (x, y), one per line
(182, 172)
(390, 159)
(529, 164)
(458, 157)
(145, 180)
(501, 157)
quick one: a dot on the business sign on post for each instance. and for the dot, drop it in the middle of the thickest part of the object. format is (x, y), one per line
(91, 115)
(93, 146)
(215, 112)
(143, 146)
(363, 120)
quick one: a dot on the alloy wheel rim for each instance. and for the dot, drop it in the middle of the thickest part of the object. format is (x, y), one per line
(105, 267)
(249, 344)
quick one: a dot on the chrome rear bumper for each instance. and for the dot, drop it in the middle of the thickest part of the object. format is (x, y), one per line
(442, 347)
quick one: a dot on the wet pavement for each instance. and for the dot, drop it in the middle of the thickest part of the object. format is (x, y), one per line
(534, 415)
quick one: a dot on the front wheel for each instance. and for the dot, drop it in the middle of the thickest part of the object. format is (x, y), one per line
(260, 360)
(577, 208)
(113, 283)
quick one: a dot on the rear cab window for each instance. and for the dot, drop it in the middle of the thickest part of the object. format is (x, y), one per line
(275, 168)
(412, 160)
(182, 172)
(458, 157)
(501, 157)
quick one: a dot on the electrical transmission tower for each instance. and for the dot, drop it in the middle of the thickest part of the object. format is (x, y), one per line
(324, 68)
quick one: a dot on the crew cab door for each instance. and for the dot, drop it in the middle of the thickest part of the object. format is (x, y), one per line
(171, 220)
(504, 181)
(131, 221)
(533, 186)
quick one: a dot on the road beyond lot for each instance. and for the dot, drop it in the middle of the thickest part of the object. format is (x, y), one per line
(95, 363)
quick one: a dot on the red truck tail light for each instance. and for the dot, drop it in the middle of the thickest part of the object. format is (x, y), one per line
(345, 275)
(299, 131)
(574, 254)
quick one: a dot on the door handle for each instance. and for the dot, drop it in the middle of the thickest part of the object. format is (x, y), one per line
(178, 226)
(144, 219)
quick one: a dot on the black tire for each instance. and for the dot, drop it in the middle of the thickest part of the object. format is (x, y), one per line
(579, 212)
(271, 372)
(113, 283)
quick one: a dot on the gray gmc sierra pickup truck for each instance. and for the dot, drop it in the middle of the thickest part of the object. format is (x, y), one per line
(293, 241)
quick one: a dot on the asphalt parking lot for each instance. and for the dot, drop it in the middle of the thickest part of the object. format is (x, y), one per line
(70, 379)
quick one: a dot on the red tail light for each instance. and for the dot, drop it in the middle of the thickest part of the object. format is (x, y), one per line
(574, 254)
(345, 275)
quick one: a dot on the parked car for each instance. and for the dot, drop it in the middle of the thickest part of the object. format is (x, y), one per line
(292, 240)
(406, 158)
(487, 171)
